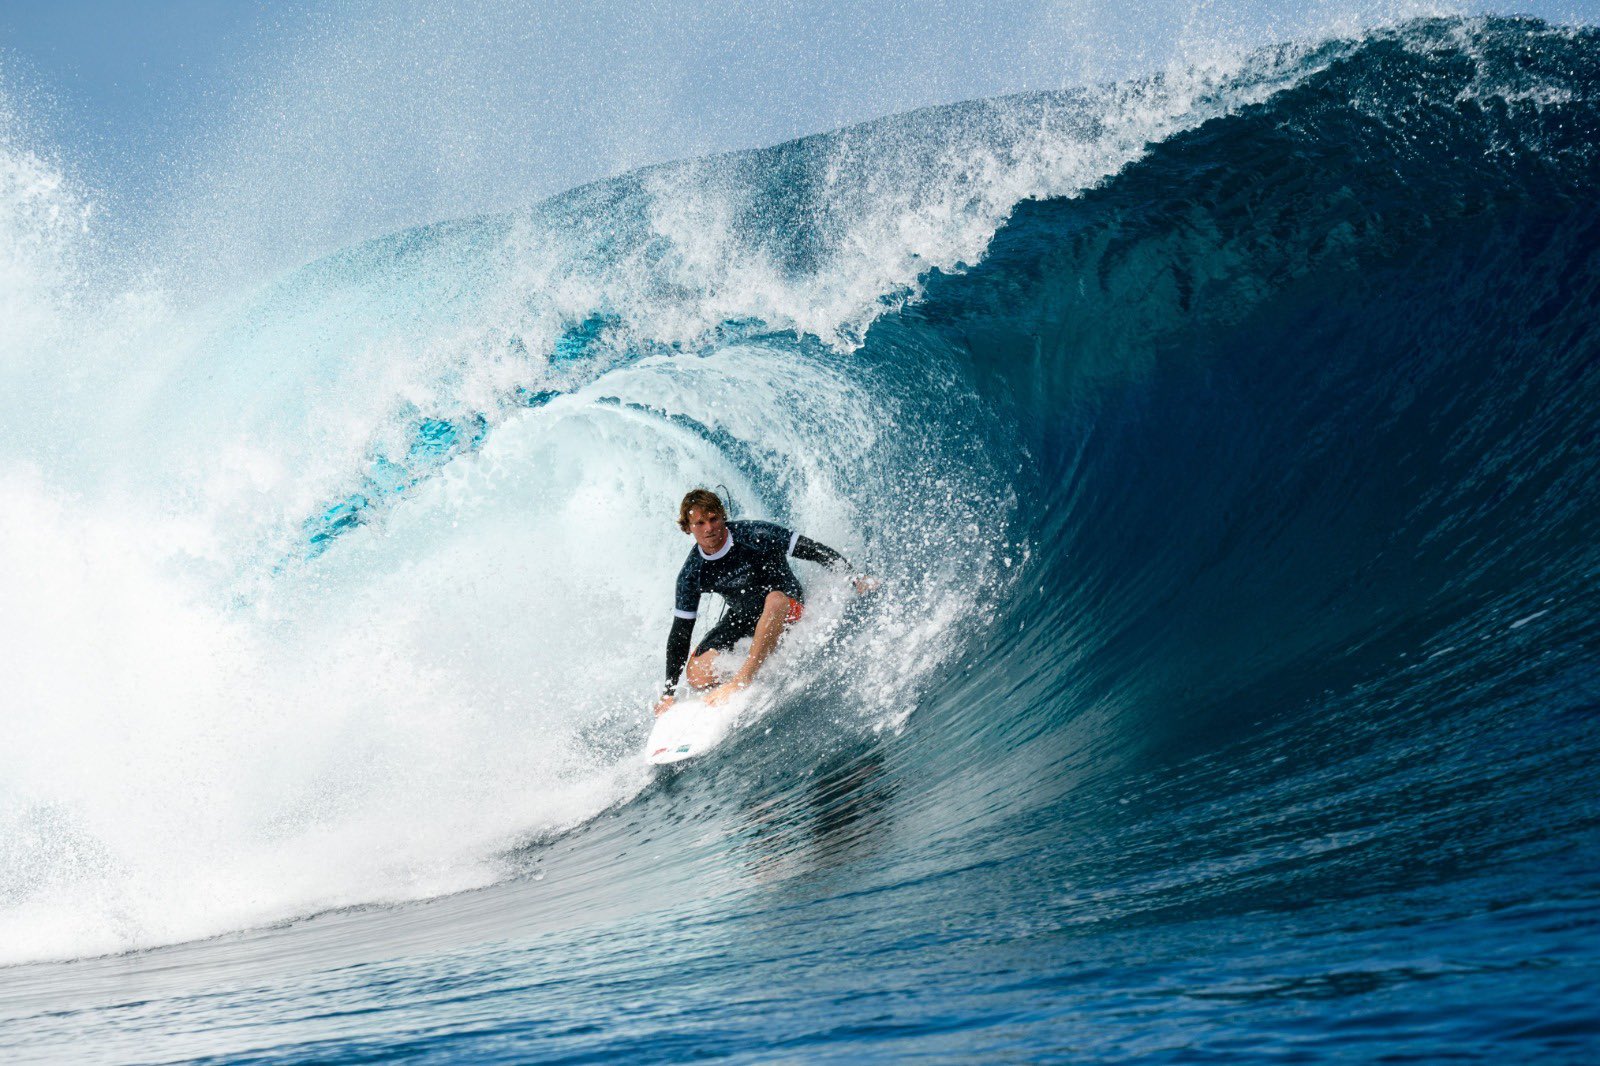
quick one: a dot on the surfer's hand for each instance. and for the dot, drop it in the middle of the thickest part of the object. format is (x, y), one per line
(866, 583)
(663, 703)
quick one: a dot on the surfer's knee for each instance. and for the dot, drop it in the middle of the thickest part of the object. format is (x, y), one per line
(702, 671)
(782, 606)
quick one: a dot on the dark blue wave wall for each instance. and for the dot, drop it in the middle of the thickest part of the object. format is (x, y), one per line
(1313, 386)
(1309, 397)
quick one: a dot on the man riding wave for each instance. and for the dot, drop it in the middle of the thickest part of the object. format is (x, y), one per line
(747, 564)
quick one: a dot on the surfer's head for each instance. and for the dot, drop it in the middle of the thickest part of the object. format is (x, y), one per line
(703, 517)
(703, 500)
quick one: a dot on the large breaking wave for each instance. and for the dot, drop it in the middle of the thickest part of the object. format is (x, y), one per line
(1225, 441)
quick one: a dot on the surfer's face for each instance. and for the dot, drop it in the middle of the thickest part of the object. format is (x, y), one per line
(709, 529)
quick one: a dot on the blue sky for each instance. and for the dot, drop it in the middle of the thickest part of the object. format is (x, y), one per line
(115, 67)
(352, 118)
(121, 84)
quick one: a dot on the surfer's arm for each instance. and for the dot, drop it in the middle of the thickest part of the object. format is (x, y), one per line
(677, 651)
(685, 606)
(812, 551)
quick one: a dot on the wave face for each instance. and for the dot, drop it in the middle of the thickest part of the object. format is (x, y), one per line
(1227, 445)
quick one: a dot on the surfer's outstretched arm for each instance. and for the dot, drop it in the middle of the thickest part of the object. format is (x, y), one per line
(813, 551)
(816, 552)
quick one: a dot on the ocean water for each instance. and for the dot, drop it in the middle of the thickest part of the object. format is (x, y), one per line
(1226, 441)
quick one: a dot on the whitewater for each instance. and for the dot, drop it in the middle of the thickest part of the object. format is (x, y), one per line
(1224, 440)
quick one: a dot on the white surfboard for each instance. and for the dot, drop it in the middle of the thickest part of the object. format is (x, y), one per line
(692, 727)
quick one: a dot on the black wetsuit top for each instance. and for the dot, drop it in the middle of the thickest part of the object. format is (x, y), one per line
(753, 562)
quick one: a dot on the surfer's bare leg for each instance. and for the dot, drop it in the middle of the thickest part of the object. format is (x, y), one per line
(702, 670)
(768, 629)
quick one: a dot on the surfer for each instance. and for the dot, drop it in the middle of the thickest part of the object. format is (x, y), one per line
(747, 563)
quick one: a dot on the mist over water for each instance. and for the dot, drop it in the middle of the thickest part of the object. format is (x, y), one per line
(1219, 429)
